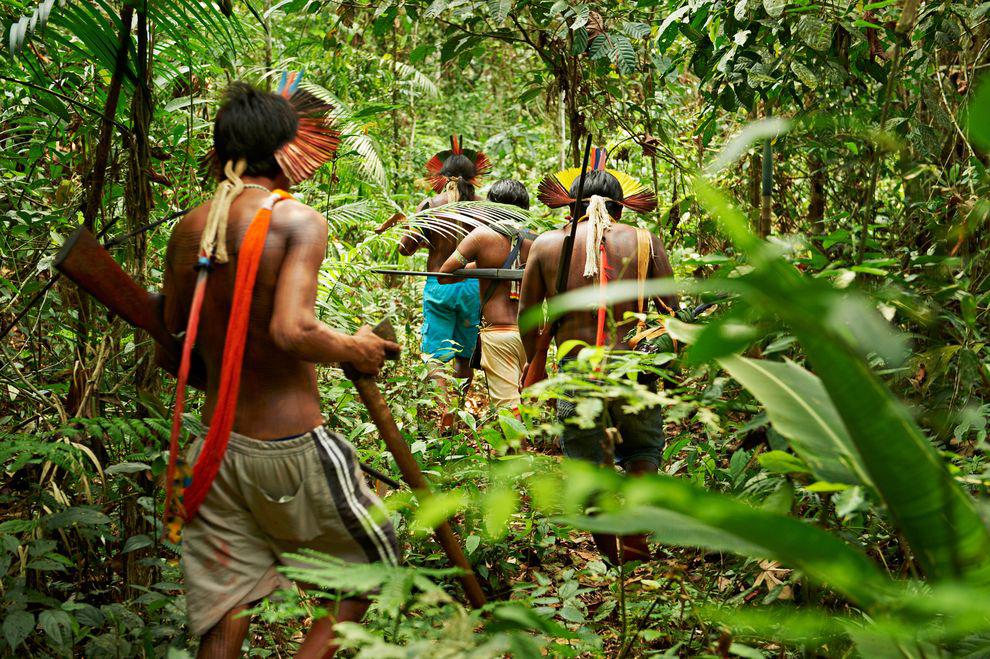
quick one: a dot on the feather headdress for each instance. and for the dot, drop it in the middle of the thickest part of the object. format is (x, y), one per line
(554, 190)
(315, 142)
(435, 164)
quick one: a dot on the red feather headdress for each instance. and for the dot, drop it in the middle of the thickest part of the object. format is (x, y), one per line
(315, 142)
(435, 164)
(554, 190)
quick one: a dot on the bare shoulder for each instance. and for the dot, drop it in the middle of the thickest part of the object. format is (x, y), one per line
(547, 243)
(485, 235)
(296, 219)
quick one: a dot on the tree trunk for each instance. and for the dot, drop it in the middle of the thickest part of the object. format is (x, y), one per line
(816, 204)
(569, 77)
(766, 192)
(78, 402)
(755, 167)
(753, 187)
(137, 209)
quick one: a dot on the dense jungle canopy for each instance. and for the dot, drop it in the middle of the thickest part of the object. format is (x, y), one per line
(821, 169)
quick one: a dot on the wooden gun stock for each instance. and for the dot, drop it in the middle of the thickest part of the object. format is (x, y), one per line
(84, 260)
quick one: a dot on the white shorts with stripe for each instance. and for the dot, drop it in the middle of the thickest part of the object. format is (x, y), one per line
(271, 498)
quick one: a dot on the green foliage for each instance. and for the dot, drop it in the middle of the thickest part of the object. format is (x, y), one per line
(826, 421)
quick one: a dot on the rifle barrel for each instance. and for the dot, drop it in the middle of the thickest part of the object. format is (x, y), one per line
(502, 274)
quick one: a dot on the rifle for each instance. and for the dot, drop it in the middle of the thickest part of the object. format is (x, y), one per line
(381, 415)
(538, 365)
(84, 260)
(500, 274)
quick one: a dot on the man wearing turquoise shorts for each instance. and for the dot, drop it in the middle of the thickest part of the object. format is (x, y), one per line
(451, 312)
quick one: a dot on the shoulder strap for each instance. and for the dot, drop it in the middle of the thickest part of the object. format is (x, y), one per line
(644, 244)
(513, 253)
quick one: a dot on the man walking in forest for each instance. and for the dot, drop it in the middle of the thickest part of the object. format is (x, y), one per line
(605, 250)
(502, 354)
(450, 313)
(279, 481)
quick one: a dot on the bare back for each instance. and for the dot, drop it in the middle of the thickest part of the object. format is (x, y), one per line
(487, 248)
(621, 252)
(278, 394)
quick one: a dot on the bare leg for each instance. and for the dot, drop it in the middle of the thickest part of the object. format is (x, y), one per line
(452, 402)
(463, 371)
(319, 643)
(607, 546)
(635, 547)
(224, 639)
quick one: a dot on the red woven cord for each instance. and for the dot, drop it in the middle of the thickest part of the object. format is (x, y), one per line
(602, 305)
(215, 444)
(182, 377)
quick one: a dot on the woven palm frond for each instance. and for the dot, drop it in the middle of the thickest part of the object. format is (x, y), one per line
(457, 219)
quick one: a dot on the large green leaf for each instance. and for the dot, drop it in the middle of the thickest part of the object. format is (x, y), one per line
(679, 512)
(938, 519)
(800, 409)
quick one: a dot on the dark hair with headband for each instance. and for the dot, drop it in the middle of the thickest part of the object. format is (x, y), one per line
(599, 183)
(460, 168)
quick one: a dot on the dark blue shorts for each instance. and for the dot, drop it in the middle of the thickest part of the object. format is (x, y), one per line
(451, 315)
(641, 433)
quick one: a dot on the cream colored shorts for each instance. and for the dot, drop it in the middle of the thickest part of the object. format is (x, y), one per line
(270, 498)
(502, 358)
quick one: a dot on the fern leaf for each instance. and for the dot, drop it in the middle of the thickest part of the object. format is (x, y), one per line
(416, 78)
(353, 136)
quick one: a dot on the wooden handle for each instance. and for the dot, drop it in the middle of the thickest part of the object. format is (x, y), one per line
(381, 416)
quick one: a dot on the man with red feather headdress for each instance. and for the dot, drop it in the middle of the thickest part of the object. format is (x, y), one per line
(267, 478)
(605, 250)
(452, 312)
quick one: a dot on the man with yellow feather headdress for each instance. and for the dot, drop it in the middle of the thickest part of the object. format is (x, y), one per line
(605, 250)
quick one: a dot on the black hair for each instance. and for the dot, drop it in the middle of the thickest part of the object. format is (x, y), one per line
(463, 167)
(508, 191)
(253, 124)
(599, 183)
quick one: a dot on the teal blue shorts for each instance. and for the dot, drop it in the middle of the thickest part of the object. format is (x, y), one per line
(451, 315)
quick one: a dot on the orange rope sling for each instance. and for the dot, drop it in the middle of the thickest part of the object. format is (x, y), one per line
(182, 506)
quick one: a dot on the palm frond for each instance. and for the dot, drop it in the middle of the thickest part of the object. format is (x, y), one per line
(36, 20)
(457, 219)
(356, 139)
(416, 79)
(94, 26)
(348, 214)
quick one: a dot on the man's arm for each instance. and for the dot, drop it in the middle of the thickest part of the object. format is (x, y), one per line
(659, 269)
(533, 291)
(294, 325)
(469, 248)
(411, 242)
